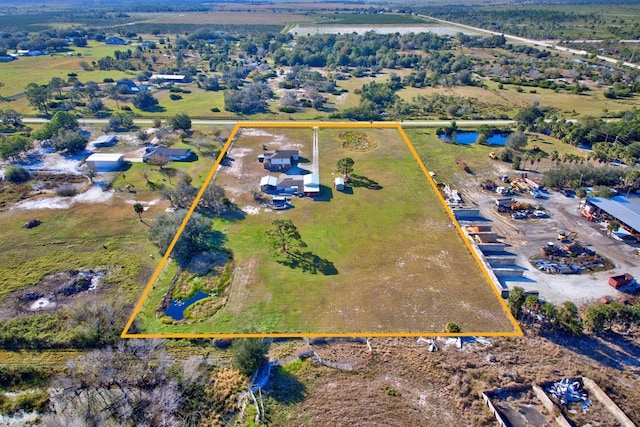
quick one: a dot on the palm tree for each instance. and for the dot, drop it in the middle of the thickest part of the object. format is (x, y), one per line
(138, 208)
(581, 193)
(612, 227)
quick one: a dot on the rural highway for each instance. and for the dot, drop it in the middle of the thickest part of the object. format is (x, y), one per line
(533, 42)
(405, 123)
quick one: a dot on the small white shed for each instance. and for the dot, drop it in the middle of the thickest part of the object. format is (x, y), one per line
(105, 161)
(338, 183)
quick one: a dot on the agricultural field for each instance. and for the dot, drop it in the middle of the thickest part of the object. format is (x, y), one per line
(343, 283)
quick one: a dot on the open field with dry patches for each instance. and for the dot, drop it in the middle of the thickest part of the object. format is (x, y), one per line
(255, 17)
(401, 383)
(386, 257)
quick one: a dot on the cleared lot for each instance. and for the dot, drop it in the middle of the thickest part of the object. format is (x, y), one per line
(396, 257)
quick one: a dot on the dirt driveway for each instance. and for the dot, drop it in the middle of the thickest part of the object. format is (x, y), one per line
(526, 237)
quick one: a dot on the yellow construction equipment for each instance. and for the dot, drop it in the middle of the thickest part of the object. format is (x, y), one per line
(567, 236)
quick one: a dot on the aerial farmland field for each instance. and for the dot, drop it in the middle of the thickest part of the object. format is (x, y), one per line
(382, 256)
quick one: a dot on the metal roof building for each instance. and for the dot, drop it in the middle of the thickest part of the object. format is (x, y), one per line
(622, 209)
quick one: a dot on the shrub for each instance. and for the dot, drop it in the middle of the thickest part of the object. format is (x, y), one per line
(287, 109)
(390, 391)
(175, 97)
(66, 190)
(452, 328)
(215, 110)
(108, 80)
(248, 355)
(16, 174)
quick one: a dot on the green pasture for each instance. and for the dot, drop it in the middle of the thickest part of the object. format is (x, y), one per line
(386, 253)
(440, 157)
(371, 19)
(589, 103)
(41, 69)
(197, 169)
(85, 236)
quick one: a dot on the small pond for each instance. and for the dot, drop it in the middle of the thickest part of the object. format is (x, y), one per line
(177, 307)
(469, 137)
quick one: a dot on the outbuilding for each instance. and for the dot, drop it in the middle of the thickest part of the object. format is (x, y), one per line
(105, 141)
(338, 183)
(115, 41)
(105, 161)
(268, 183)
(623, 210)
(174, 78)
(311, 185)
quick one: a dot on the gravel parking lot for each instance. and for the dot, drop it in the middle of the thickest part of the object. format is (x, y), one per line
(525, 237)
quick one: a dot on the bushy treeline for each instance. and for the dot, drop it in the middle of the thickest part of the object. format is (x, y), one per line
(607, 316)
(371, 50)
(586, 175)
(567, 317)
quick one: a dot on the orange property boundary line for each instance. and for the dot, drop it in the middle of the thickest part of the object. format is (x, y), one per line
(125, 333)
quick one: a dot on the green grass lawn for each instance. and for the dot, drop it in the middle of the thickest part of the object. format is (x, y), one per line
(75, 238)
(390, 254)
(372, 19)
(41, 69)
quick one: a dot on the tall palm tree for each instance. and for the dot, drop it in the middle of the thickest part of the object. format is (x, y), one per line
(581, 193)
(138, 208)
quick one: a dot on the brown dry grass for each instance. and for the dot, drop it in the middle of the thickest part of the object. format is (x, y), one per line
(442, 388)
(246, 16)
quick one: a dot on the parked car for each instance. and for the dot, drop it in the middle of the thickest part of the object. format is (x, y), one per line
(519, 215)
(540, 214)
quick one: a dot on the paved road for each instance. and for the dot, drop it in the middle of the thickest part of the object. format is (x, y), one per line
(541, 43)
(410, 123)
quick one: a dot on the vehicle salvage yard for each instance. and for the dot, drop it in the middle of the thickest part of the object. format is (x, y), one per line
(526, 238)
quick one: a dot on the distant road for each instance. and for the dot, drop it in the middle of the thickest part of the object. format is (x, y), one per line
(405, 123)
(534, 42)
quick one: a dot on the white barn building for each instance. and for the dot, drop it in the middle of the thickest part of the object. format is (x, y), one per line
(105, 161)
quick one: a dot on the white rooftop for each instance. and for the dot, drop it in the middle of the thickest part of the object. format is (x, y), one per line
(105, 157)
(311, 183)
(269, 180)
(104, 139)
(168, 76)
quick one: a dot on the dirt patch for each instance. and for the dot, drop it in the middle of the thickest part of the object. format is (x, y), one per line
(53, 291)
(403, 383)
(344, 352)
(95, 194)
(242, 276)
(357, 141)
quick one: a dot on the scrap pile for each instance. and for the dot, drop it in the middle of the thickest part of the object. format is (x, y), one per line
(572, 258)
(568, 392)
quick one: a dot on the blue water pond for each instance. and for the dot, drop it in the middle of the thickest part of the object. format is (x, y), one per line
(177, 307)
(469, 137)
